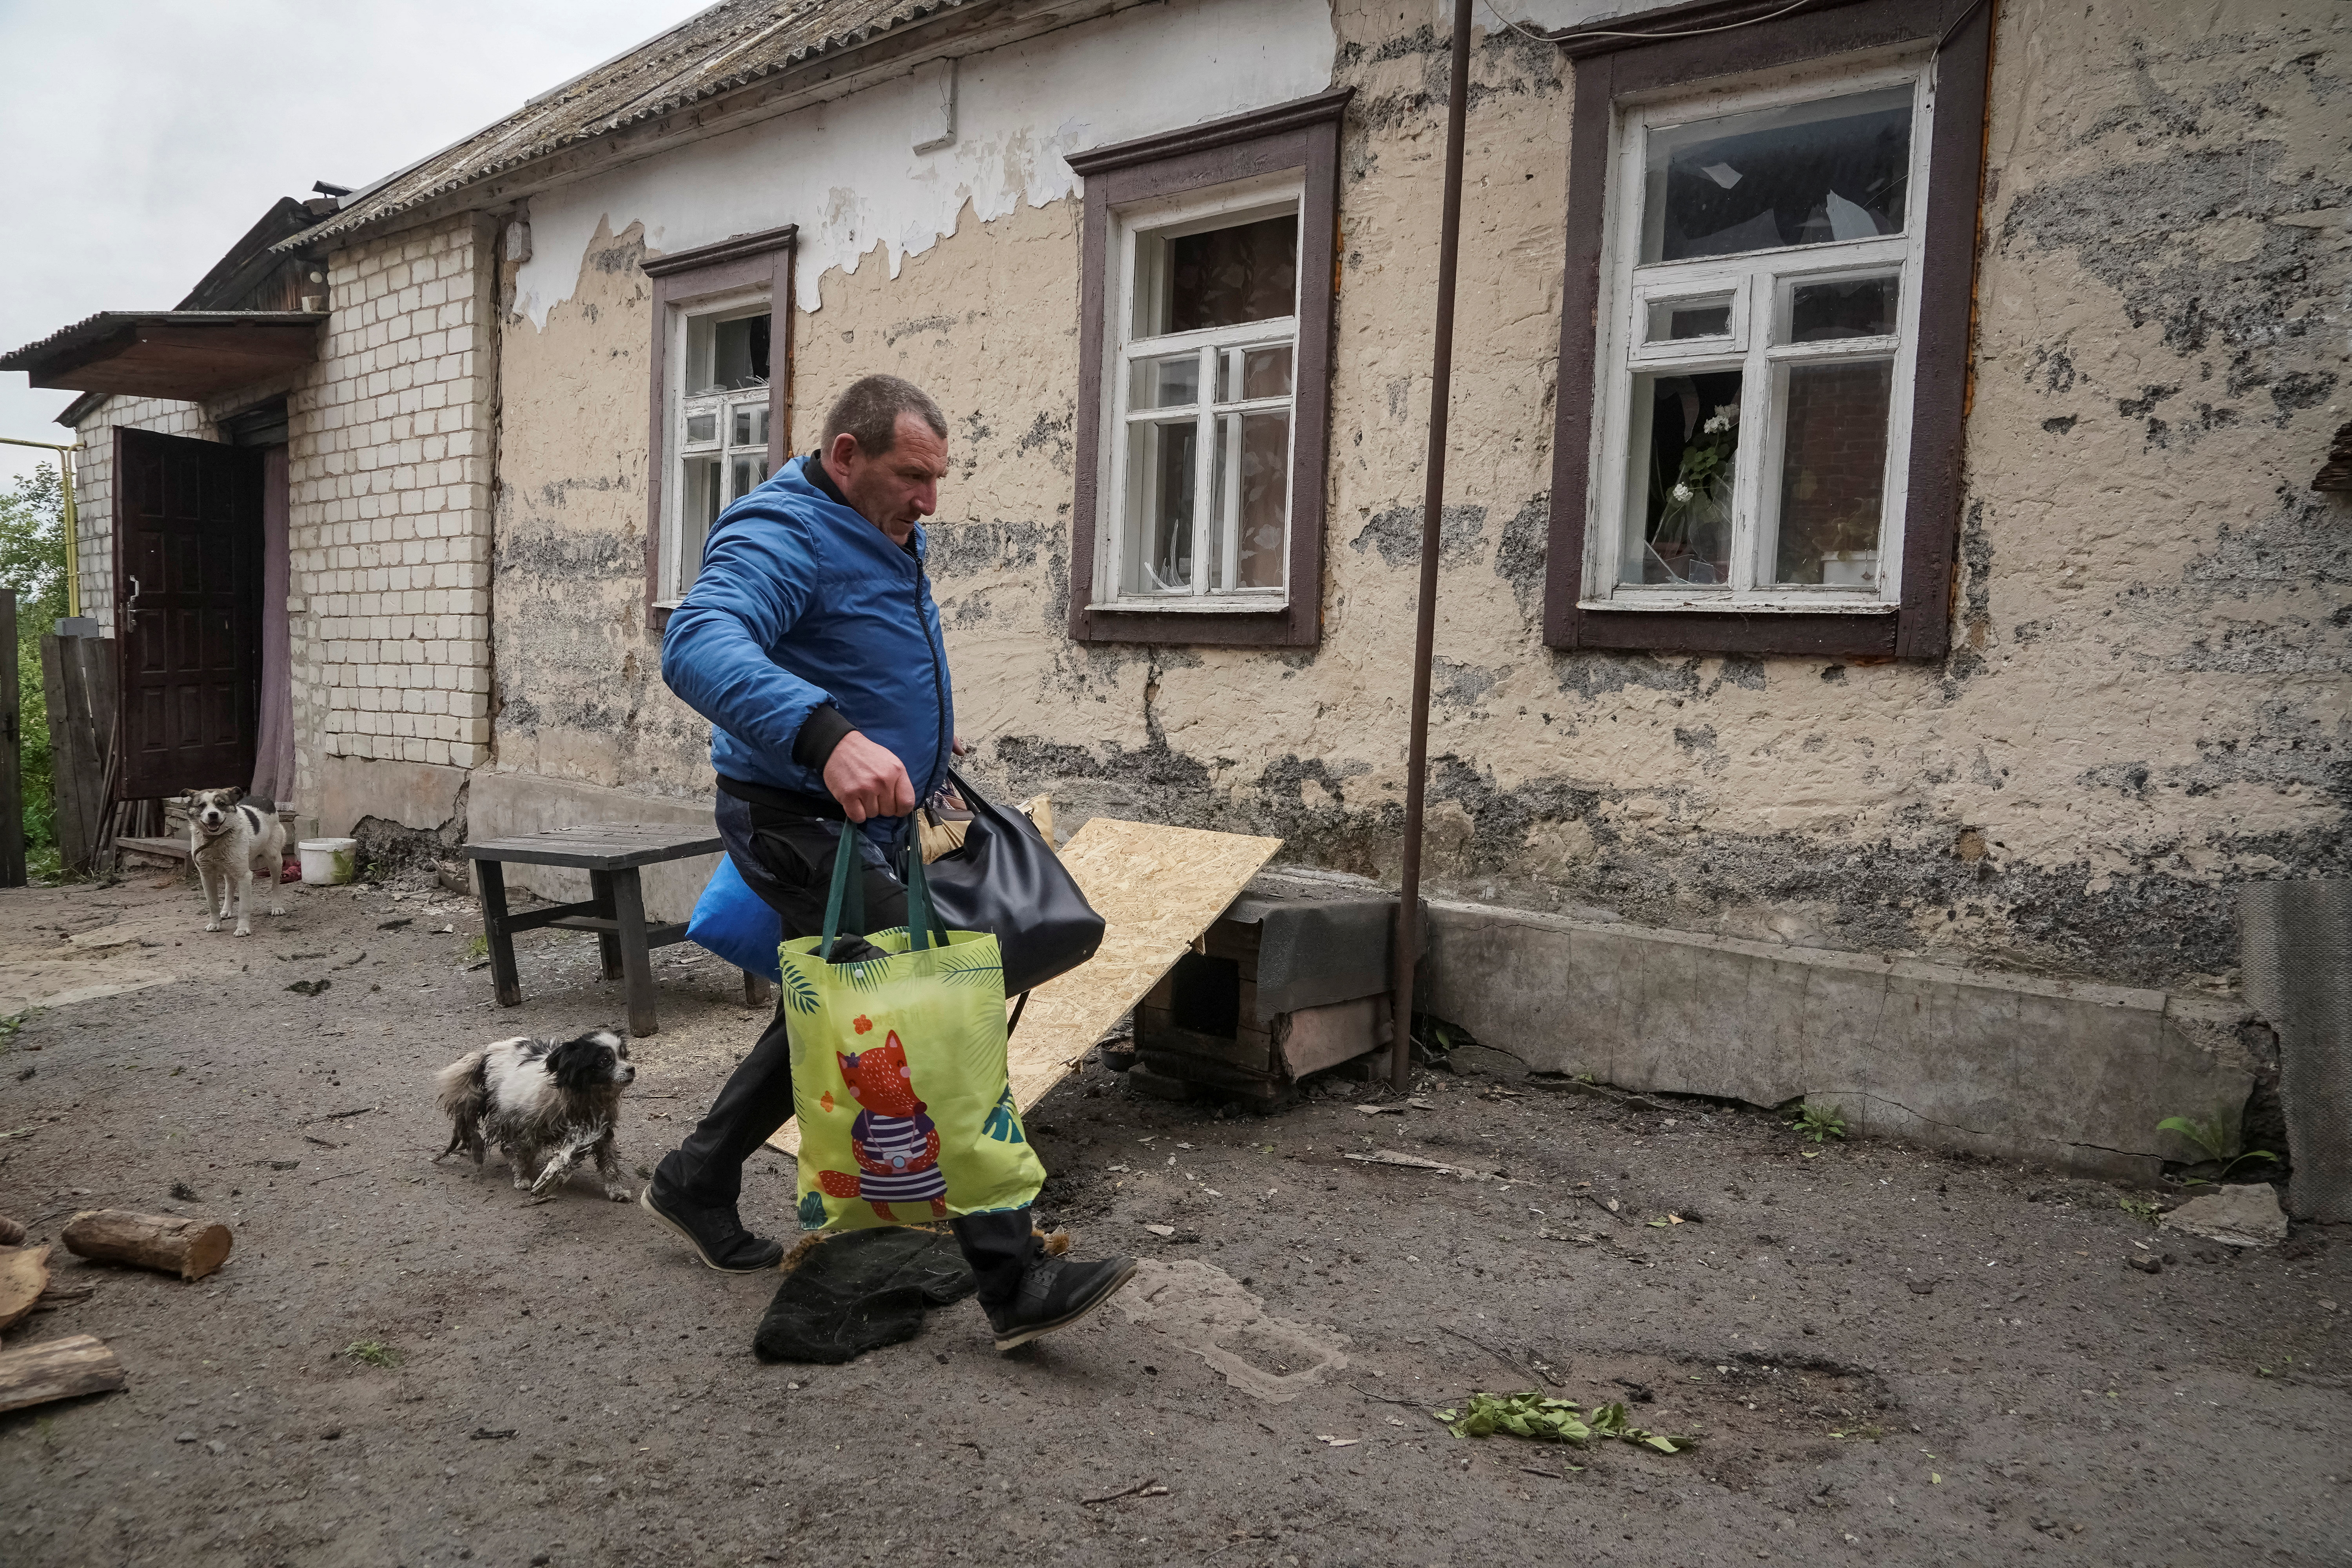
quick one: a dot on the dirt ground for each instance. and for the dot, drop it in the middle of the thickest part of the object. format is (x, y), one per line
(566, 1385)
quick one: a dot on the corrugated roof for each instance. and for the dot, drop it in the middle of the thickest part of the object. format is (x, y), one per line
(714, 52)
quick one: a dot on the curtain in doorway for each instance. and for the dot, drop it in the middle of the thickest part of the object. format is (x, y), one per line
(273, 756)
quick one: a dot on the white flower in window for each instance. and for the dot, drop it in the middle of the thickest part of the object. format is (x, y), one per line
(1682, 492)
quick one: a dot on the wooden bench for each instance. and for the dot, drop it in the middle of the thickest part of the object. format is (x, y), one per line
(611, 853)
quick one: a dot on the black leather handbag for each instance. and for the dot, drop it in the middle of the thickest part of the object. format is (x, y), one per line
(1007, 880)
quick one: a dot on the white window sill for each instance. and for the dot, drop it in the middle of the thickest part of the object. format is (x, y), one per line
(1724, 603)
(1192, 604)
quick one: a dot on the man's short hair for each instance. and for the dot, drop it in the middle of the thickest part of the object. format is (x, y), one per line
(870, 410)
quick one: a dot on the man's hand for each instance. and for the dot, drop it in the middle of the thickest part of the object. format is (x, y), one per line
(868, 780)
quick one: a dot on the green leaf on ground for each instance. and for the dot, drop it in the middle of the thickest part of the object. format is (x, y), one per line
(1542, 1418)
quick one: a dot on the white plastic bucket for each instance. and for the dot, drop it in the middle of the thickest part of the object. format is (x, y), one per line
(329, 861)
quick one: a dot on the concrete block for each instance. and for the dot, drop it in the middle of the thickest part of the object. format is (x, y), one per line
(2073, 1074)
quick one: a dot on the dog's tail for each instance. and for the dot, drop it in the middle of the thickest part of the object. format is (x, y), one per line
(464, 1094)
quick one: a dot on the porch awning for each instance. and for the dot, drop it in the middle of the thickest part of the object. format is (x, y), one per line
(184, 354)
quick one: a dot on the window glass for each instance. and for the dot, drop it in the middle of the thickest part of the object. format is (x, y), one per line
(1834, 473)
(1681, 462)
(1808, 173)
(1248, 373)
(701, 429)
(1680, 321)
(1171, 383)
(1252, 476)
(1852, 308)
(1217, 277)
(1160, 477)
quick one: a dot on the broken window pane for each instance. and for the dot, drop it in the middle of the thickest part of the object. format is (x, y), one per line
(1159, 467)
(1834, 473)
(1253, 496)
(741, 352)
(1218, 278)
(1170, 382)
(1679, 320)
(1850, 308)
(704, 498)
(750, 473)
(1684, 447)
(1808, 173)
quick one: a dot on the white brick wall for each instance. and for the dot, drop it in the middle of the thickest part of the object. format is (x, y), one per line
(390, 540)
(94, 485)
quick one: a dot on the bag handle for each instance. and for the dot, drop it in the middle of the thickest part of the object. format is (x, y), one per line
(922, 916)
(848, 887)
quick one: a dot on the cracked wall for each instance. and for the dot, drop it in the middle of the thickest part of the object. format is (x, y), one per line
(2145, 701)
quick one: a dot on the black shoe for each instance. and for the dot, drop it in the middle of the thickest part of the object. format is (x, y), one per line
(1054, 1293)
(717, 1237)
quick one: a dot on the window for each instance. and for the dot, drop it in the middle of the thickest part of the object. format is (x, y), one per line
(1759, 418)
(1203, 408)
(720, 428)
(720, 404)
(1760, 358)
(1203, 392)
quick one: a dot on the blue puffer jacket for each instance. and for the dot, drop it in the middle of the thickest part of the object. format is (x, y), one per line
(801, 602)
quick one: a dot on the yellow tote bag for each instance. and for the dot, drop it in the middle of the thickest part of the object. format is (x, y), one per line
(898, 1068)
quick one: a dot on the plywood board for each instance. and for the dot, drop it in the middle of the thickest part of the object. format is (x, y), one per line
(1157, 889)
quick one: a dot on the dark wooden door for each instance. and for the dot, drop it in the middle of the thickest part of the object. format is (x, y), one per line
(187, 611)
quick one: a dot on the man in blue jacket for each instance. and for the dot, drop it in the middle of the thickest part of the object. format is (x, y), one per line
(811, 643)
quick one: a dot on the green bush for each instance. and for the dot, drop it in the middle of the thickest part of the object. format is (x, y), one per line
(33, 562)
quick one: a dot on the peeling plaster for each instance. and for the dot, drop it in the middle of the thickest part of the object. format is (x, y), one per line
(2146, 703)
(845, 174)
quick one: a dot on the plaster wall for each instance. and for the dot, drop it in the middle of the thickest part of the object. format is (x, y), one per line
(2146, 703)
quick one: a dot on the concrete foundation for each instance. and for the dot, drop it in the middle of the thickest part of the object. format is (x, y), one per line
(416, 796)
(2072, 1074)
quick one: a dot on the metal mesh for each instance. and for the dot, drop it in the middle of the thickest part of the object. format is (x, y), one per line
(2298, 964)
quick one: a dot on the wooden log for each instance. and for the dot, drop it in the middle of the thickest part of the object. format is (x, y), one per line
(190, 1248)
(24, 1275)
(59, 1369)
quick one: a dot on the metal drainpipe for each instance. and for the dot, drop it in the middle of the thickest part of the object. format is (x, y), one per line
(1440, 377)
(73, 532)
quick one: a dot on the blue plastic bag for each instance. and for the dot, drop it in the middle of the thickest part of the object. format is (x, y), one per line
(736, 923)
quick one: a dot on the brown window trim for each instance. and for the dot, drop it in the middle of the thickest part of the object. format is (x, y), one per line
(745, 262)
(1607, 68)
(1302, 136)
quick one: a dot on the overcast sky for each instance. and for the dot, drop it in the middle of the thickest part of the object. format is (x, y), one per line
(139, 140)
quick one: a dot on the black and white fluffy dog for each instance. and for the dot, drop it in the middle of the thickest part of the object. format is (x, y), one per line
(544, 1104)
(226, 833)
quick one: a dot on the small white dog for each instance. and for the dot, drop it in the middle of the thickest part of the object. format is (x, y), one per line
(226, 833)
(543, 1103)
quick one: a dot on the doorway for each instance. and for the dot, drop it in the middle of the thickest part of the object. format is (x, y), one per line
(188, 567)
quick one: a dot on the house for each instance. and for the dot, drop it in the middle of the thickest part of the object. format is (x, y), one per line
(1883, 617)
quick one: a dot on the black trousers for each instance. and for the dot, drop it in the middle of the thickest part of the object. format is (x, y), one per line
(787, 858)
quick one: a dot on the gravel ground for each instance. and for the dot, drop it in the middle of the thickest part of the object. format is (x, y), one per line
(1887, 1355)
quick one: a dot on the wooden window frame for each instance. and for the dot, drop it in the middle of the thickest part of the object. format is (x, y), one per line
(737, 266)
(1300, 138)
(1610, 69)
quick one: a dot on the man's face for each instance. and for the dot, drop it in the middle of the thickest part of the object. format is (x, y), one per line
(900, 488)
